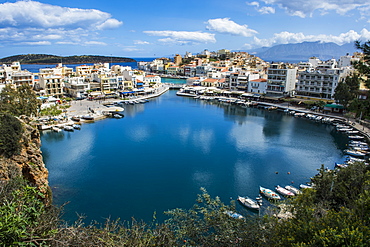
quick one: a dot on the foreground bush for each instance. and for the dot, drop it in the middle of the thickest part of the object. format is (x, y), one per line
(335, 213)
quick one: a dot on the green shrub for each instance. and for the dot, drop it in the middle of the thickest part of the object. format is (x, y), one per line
(10, 134)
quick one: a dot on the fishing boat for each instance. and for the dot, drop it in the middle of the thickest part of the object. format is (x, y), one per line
(76, 126)
(269, 193)
(248, 202)
(293, 189)
(284, 191)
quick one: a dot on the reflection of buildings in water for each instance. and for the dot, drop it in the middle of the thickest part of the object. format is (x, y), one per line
(132, 110)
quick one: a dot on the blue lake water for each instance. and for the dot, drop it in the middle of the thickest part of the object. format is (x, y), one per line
(158, 156)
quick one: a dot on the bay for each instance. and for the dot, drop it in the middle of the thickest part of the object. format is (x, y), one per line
(158, 156)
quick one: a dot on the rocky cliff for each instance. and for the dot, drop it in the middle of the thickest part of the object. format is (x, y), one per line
(28, 163)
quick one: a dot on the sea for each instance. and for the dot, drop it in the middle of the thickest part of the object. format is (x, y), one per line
(162, 152)
(34, 68)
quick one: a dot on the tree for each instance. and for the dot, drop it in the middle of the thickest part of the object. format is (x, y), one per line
(10, 134)
(363, 66)
(19, 101)
(342, 94)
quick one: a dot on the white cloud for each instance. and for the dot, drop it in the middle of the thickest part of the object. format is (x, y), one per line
(36, 43)
(140, 42)
(287, 37)
(30, 21)
(95, 43)
(225, 25)
(267, 10)
(257, 4)
(183, 37)
(303, 8)
(109, 24)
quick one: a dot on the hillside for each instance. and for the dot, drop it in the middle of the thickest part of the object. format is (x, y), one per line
(302, 51)
(52, 59)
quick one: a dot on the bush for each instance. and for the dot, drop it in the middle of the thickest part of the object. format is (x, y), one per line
(24, 219)
(10, 134)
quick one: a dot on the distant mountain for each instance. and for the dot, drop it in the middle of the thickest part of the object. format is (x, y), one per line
(303, 51)
(52, 59)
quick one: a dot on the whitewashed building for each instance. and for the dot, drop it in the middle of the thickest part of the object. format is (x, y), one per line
(281, 79)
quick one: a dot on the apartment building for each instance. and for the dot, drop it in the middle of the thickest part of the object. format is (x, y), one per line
(322, 81)
(76, 86)
(281, 79)
(53, 85)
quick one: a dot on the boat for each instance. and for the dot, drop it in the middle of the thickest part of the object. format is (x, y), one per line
(68, 128)
(234, 215)
(75, 118)
(76, 126)
(355, 153)
(117, 116)
(284, 191)
(248, 202)
(269, 193)
(305, 186)
(87, 117)
(356, 137)
(293, 189)
(56, 129)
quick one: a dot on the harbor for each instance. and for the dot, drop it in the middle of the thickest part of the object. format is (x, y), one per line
(169, 147)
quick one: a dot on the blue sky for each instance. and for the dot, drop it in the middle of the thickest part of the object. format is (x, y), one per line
(164, 28)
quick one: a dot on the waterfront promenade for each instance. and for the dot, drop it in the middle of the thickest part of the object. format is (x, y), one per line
(96, 108)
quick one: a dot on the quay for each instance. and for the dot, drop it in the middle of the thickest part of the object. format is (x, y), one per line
(364, 130)
(92, 110)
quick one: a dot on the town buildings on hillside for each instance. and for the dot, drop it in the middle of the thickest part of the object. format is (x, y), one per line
(225, 70)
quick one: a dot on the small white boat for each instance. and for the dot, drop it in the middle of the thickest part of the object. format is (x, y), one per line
(56, 129)
(117, 116)
(248, 202)
(234, 215)
(293, 189)
(355, 153)
(284, 191)
(76, 126)
(269, 193)
(305, 186)
(356, 137)
(68, 128)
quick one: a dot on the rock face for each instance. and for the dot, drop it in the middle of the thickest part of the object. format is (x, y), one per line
(28, 163)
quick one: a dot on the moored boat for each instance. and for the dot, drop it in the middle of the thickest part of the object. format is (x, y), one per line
(284, 191)
(76, 126)
(234, 215)
(68, 128)
(355, 153)
(87, 117)
(248, 202)
(75, 118)
(269, 193)
(305, 186)
(293, 189)
(56, 129)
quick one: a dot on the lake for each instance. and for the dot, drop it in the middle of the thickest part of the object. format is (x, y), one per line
(159, 155)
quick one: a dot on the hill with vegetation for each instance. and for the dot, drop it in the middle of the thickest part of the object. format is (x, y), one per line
(52, 59)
